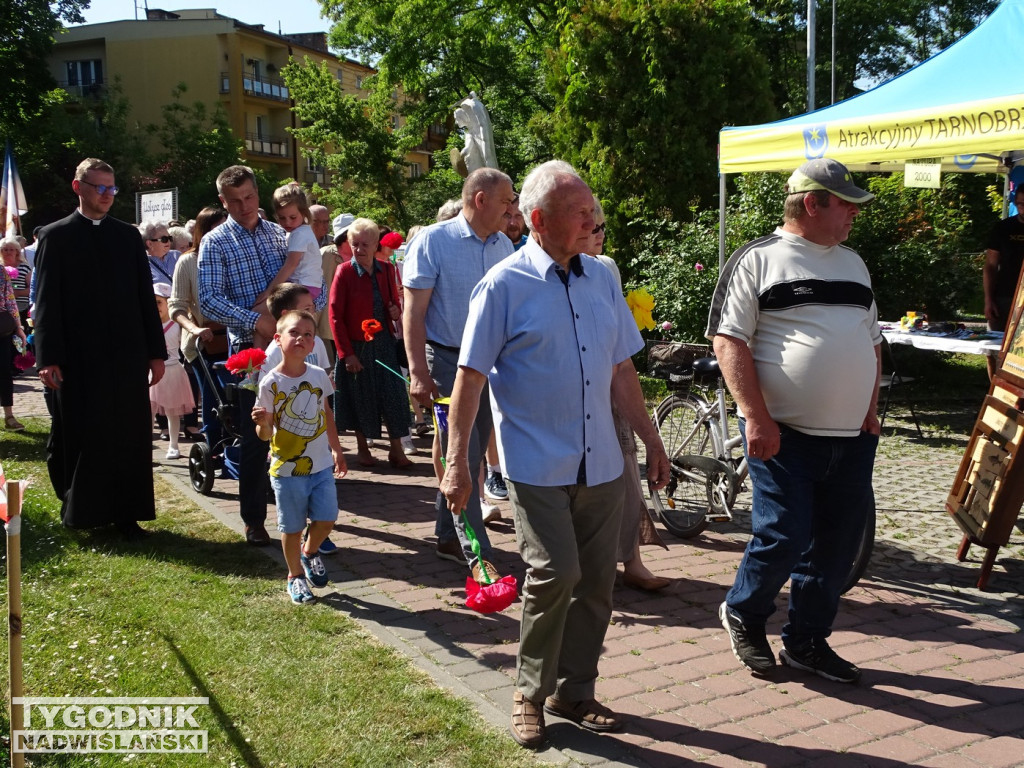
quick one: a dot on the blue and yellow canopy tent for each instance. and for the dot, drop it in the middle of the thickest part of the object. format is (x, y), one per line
(963, 107)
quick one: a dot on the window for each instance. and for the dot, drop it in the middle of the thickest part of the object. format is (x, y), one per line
(341, 77)
(261, 126)
(415, 170)
(85, 72)
(359, 81)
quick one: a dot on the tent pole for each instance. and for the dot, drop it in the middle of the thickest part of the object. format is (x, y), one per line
(811, 8)
(1006, 194)
(721, 220)
(833, 68)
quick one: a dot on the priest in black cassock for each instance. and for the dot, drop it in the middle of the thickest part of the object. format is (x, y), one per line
(99, 347)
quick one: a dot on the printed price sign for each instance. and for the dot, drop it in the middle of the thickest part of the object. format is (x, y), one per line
(926, 174)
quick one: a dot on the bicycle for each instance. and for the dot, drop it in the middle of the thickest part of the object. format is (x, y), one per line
(708, 464)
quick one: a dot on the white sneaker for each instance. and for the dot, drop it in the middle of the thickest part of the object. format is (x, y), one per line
(173, 453)
(408, 447)
(489, 512)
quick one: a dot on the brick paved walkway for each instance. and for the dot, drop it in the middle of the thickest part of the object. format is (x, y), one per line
(943, 663)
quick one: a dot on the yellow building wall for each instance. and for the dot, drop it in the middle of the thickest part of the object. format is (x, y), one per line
(212, 57)
(151, 69)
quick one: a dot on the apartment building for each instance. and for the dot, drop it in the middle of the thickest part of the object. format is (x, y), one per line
(222, 61)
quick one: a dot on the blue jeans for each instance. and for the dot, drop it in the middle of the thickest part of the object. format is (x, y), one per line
(444, 364)
(810, 506)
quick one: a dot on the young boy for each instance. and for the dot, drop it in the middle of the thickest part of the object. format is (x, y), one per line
(294, 296)
(281, 299)
(291, 412)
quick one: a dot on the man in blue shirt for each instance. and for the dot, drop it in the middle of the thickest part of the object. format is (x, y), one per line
(553, 335)
(237, 261)
(443, 265)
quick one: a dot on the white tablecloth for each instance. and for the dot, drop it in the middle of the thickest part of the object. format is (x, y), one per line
(894, 335)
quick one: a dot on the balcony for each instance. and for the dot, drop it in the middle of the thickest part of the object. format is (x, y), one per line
(272, 88)
(266, 146)
(84, 90)
(318, 176)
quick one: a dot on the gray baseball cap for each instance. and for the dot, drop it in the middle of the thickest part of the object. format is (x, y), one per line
(829, 175)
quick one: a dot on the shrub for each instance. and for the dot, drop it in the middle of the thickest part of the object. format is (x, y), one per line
(921, 246)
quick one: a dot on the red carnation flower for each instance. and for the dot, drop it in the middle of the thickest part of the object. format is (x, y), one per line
(371, 328)
(246, 361)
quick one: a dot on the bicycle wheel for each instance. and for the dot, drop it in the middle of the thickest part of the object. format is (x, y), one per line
(863, 554)
(683, 504)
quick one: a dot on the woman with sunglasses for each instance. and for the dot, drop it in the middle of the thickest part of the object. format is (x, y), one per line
(162, 257)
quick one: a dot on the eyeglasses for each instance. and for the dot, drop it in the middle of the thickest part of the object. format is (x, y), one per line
(164, 239)
(598, 228)
(102, 189)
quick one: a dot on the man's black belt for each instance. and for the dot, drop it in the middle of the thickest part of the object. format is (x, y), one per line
(445, 347)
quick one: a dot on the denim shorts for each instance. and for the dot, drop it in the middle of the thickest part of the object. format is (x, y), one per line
(306, 496)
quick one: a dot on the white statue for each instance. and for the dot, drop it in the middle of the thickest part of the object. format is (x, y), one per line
(472, 117)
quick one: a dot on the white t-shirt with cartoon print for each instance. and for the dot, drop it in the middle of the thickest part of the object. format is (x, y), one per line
(299, 445)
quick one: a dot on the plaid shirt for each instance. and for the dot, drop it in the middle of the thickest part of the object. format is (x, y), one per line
(235, 266)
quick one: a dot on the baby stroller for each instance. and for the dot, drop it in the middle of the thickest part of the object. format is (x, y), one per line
(205, 459)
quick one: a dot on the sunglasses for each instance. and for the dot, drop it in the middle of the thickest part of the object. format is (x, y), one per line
(598, 228)
(102, 189)
(164, 239)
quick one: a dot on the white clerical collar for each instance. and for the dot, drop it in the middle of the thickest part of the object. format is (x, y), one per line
(95, 222)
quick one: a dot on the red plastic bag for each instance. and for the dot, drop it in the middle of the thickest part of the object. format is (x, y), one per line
(491, 598)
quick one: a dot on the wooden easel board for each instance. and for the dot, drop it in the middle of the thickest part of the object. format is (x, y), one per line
(989, 487)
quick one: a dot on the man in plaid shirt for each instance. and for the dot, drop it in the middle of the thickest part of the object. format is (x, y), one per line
(237, 261)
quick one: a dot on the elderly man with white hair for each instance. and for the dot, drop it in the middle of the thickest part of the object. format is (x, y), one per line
(552, 333)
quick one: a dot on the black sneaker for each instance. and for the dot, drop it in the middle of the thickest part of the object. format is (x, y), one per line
(494, 486)
(819, 658)
(749, 644)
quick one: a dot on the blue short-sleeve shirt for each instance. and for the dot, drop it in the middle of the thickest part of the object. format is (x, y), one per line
(450, 259)
(549, 351)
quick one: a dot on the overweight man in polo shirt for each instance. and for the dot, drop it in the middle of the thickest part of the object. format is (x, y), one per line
(443, 265)
(552, 333)
(795, 330)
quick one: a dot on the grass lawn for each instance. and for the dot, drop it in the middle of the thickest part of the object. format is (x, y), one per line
(193, 611)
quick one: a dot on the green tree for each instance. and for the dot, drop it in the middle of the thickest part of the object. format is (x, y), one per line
(27, 30)
(438, 52)
(195, 144)
(875, 40)
(646, 88)
(63, 133)
(354, 139)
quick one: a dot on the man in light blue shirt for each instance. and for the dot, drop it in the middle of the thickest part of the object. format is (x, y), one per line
(552, 333)
(442, 267)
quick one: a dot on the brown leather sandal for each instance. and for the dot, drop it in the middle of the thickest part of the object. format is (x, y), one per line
(527, 725)
(589, 713)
